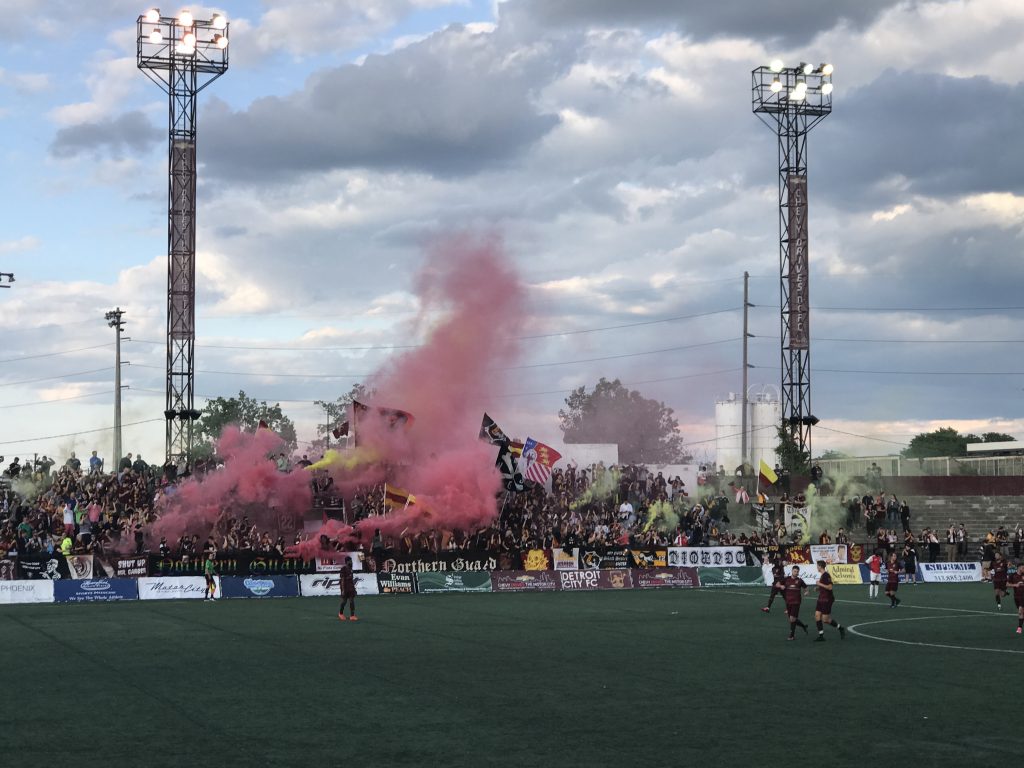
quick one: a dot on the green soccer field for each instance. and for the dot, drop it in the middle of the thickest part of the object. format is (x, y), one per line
(654, 678)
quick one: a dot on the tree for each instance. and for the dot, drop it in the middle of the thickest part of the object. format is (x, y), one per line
(335, 412)
(833, 455)
(948, 442)
(645, 430)
(996, 437)
(791, 458)
(246, 413)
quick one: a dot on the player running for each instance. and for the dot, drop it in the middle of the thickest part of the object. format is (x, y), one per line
(348, 592)
(1016, 581)
(892, 582)
(823, 608)
(778, 583)
(999, 573)
(209, 569)
(794, 590)
(875, 567)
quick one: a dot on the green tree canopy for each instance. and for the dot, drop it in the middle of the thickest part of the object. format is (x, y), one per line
(246, 413)
(948, 442)
(791, 458)
(334, 412)
(645, 430)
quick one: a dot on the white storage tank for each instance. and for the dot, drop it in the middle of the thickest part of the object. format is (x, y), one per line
(765, 418)
(728, 432)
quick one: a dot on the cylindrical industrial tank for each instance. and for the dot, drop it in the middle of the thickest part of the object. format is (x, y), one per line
(728, 432)
(765, 418)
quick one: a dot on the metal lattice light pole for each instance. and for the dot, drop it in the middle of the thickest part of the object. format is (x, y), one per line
(791, 101)
(182, 55)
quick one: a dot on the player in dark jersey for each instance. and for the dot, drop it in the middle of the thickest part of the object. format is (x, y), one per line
(778, 582)
(1016, 581)
(823, 608)
(348, 592)
(209, 569)
(793, 591)
(892, 582)
(999, 572)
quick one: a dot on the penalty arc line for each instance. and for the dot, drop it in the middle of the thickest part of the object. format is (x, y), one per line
(854, 631)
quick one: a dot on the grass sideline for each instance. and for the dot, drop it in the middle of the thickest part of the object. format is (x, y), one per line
(651, 678)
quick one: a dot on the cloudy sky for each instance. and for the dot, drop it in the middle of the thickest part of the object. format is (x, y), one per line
(610, 144)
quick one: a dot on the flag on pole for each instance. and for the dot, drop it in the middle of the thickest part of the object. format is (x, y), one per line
(397, 499)
(262, 425)
(537, 461)
(340, 431)
(767, 474)
(492, 433)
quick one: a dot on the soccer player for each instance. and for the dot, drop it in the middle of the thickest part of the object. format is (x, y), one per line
(999, 573)
(875, 567)
(208, 571)
(348, 592)
(823, 608)
(794, 590)
(1017, 582)
(778, 582)
(892, 582)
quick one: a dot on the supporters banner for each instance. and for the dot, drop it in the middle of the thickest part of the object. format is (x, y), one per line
(333, 563)
(431, 583)
(79, 567)
(595, 579)
(130, 566)
(845, 573)
(8, 568)
(591, 559)
(537, 560)
(565, 559)
(796, 230)
(175, 588)
(43, 567)
(830, 553)
(36, 591)
(808, 573)
(708, 557)
(648, 558)
(260, 586)
(856, 554)
(653, 578)
(94, 590)
(730, 577)
(797, 554)
(329, 584)
(396, 583)
(758, 554)
(949, 572)
(241, 564)
(798, 523)
(524, 581)
(466, 560)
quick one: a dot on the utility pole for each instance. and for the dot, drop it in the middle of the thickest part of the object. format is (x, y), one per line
(114, 321)
(746, 335)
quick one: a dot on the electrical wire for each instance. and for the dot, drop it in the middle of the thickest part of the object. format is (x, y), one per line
(54, 400)
(75, 434)
(55, 354)
(865, 437)
(52, 378)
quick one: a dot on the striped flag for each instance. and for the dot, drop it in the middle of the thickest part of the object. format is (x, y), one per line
(767, 474)
(397, 499)
(537, 461)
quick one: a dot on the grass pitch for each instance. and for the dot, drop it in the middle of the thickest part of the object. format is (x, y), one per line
(654, 678)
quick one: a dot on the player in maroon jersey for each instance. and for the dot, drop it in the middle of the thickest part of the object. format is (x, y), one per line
(823, 608)
(778, 582)
(793, 592)
(1016, 581)
(348, 591)
(892, 582)
(999, 572)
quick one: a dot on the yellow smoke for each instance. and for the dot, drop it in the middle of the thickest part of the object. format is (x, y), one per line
(346, 460)
(605, 484)
(662, 515)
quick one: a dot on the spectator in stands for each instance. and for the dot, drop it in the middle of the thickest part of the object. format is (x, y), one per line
(140, 467)
(73, 463)
(95, 464)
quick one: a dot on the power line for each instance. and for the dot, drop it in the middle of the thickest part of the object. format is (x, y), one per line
(865, 437)
(54, 354)
(75, 434)
(52, 378)
(916, 309)
(924, 341)
(54, 400)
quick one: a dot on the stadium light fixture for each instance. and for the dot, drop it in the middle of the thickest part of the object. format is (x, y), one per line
(219, 21)
(826, 88)
(776, 85)
(156, 36)
(827, 69)
(153, 15)
(185, 19)
(776, 65)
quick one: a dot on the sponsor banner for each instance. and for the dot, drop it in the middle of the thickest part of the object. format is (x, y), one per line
(796, 230)
(396, 583)
(537, 560)
(652, 578)
(596, 579)
(175, 588)
(94, 590)
(830, 553)
(843, 573)
(466, 560)
(591, 559)
(648, 558)
(524, 581)
(130, 566)
(565, 559)
(36, 591)
(242, 564)
(329, 584)
(259, 586)
(79, 566)
(808, 573)
(947, 572)
(8, 568)
(43, 567)
(431, 583)
(333, 563)
(708, 557)
(731, 577)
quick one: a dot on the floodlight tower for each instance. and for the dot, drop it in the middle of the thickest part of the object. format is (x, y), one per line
(182, 55)
(791, 101)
